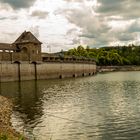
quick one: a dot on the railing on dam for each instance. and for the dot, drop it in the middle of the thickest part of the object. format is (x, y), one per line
(67, 59)
(44, 57)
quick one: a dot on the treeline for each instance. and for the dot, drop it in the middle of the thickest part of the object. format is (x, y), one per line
(123, 55)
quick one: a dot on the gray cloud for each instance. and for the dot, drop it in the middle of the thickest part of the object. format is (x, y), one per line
(95, 29)
(77, 0)
(71, 31)
(39, 14)
(92, 27)
(75, 41)
(3, 18)
(88, 35)
(134, 27)
(126, 37)
(9, 18)
(18, 3)
(125, 8)
(74, 0)
(86, 21)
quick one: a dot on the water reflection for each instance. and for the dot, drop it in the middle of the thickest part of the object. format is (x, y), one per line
(26, 98)
(103, 107)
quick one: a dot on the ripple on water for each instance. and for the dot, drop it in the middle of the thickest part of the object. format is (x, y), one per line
(102, 107)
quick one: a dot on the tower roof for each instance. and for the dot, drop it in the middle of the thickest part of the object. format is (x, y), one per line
(27, 37)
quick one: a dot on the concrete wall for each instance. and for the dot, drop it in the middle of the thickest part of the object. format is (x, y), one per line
(8, 72)
(48, 70)
(27, 72)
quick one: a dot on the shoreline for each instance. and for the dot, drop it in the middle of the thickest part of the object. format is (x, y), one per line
(6, 130)
(101, 69)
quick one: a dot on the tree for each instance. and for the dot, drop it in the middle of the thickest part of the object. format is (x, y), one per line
(124, 55)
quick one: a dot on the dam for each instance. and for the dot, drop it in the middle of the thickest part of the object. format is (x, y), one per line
(23, 60)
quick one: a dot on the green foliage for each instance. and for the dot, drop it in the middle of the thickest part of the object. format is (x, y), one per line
(3, 137)
(6, 137)
(123, 55)
(21, 138)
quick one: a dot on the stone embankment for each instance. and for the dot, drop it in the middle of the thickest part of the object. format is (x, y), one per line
(117, 68)
(6, 131)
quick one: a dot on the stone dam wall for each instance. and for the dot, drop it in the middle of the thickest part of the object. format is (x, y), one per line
(46, 70)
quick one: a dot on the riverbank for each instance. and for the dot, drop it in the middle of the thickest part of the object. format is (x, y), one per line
(6, 131)
(117, 68)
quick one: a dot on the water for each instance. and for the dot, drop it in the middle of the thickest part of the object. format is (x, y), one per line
(102, 107)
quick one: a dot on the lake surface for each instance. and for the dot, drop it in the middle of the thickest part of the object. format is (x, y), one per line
(102, 107)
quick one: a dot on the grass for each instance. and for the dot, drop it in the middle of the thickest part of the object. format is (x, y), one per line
(6, 137)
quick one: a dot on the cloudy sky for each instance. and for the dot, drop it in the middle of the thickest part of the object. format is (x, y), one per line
(64, 24)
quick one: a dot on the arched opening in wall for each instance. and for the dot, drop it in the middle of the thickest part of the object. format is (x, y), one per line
(33, 62)
(89, 74)
(16, 62)
(35, 69)
(18, 70)
(24, 50)
(83, 74)
(60, 77)
(74, 75)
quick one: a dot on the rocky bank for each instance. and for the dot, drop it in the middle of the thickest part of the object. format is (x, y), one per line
(6, 131)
